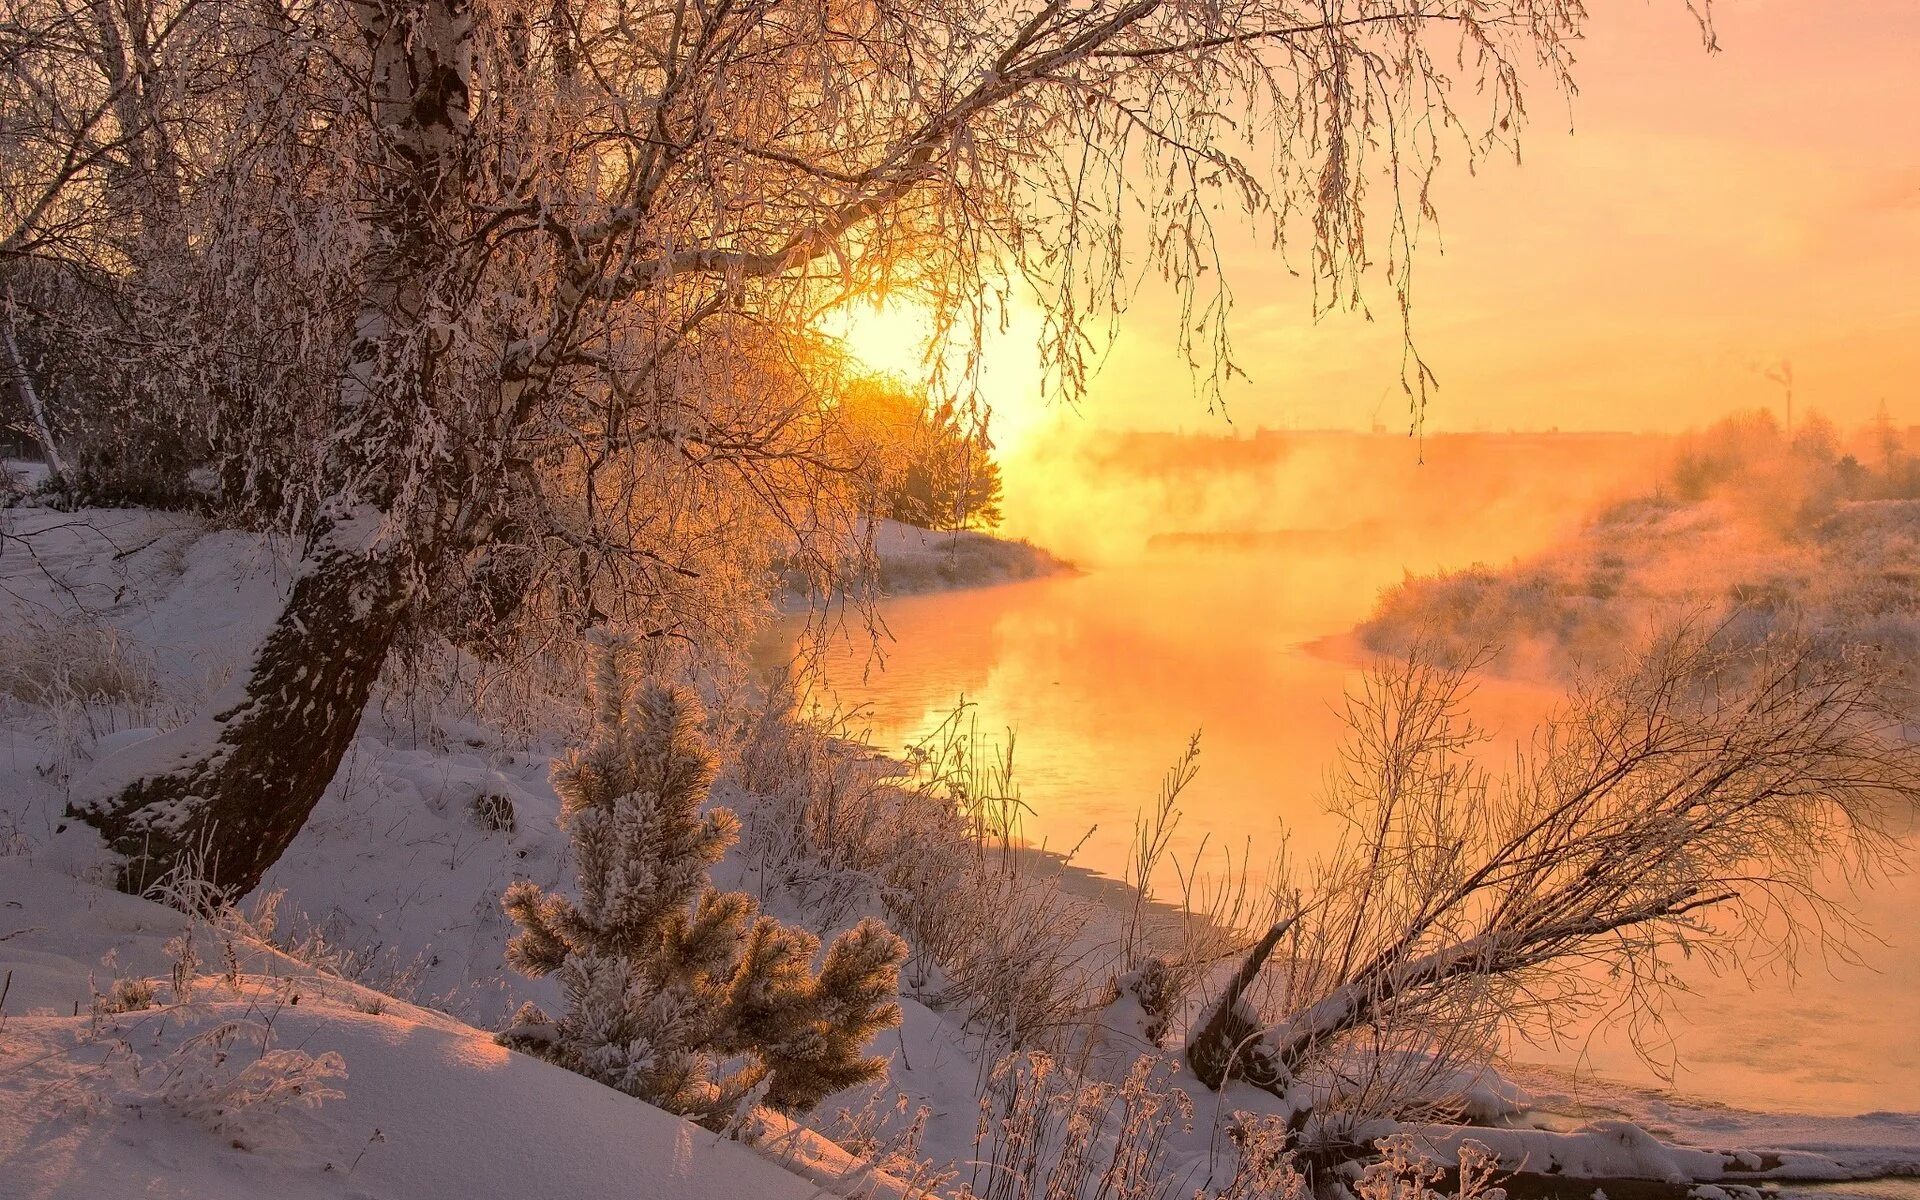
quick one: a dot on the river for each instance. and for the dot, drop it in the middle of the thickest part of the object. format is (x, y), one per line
(1230, 619)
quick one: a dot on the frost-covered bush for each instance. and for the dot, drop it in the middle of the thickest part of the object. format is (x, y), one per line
(80, 680)
(835, 826)
(677, 993)
(1405, 1171)
(231, 1079)
(226, 1074)
(1695, 804)
(125, 996)
(1046, 1133)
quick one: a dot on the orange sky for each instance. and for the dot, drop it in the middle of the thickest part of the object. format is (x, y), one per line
(1707, 217)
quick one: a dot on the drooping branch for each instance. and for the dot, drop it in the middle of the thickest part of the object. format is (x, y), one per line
(1491, 956)
(1688, 800)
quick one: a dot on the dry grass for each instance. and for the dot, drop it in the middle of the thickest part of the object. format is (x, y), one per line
(49, 663)
(936, 848)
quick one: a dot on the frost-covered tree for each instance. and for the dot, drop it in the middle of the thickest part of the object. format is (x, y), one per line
(919, 460)
(678, 993)
(502, 310)
(1696, 802)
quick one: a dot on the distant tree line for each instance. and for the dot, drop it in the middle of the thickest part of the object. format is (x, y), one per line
(1799, 475)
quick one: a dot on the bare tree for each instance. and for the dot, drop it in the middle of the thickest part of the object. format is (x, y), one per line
(1697, 802)
(91, 97)
(513, 301)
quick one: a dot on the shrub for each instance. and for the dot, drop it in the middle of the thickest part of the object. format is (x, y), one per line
(494, 812)
(1045, 1133)
(678, 993)
(126, 996)
(996, 940)
(48, 664)
(231, 1079)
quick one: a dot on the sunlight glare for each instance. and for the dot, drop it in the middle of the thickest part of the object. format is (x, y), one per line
(894, 336)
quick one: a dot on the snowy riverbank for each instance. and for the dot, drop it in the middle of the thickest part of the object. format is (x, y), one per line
(906, 560)
(913, 560)
(386, 950)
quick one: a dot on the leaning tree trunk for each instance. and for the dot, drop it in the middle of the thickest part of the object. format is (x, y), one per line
(224, 797)
(1229, 1044)
(234, 788)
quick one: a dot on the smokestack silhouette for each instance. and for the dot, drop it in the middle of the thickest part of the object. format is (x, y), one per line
(1783, 375)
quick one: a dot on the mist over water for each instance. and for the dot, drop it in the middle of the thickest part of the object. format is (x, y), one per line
(1377, 501)
(1223, 577)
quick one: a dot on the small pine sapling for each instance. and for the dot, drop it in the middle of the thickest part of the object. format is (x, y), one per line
(677, 993)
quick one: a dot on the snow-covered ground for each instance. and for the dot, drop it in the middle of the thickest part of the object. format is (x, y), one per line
(115, 624)
(925, 560)
(274, 1079)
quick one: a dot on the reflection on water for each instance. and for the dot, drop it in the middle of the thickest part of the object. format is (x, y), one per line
(1103, 677)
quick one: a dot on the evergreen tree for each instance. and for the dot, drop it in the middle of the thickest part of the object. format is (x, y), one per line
(678, 993)
(950, 480)
(921, 461)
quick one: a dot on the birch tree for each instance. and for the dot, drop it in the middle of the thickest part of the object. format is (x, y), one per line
(92, 94)
(531, 286)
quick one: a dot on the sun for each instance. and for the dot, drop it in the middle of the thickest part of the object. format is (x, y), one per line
(898, 337)
(891, 337)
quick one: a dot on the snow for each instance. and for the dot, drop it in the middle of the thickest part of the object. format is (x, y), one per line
(430, 1107)
(1823, 1150)
(400, 879)
(912, 559)
(1782, 1146)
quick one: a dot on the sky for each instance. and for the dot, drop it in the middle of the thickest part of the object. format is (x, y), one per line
(1691, 222)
